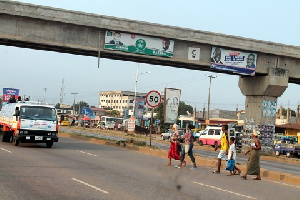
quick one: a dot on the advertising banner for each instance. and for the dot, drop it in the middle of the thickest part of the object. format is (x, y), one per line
(235, 61)
(172, 99)
(125, 113)
(131, 124)
(8, 92)
(139, 107)
(140, 44)
(269, 108)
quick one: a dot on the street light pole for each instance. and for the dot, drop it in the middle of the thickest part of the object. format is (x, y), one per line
(45, 89)
(208, 104)
(74, 93)
(135, 87)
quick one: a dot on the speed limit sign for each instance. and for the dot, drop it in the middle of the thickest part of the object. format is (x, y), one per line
(153, 99)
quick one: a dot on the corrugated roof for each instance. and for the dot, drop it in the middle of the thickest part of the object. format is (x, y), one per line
(290, 126)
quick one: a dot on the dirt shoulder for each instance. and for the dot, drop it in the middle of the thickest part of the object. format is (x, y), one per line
(157, 138)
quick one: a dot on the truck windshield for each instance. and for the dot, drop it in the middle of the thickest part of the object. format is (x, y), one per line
(38, 113)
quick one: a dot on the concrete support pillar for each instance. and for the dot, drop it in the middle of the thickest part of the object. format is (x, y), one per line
(261, 103)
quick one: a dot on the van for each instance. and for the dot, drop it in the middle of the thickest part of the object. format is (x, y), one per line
(212, 135)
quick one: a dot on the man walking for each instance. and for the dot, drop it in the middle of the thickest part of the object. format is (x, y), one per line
(224, 148)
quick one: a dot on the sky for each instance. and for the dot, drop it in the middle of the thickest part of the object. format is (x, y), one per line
(32, 71)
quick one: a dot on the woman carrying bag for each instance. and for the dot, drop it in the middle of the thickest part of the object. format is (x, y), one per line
(188, 148)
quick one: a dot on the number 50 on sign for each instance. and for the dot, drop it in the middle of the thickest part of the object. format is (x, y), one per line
(153, 99)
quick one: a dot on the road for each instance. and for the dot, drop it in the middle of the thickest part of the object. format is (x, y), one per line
(74, 169)
(270, 165)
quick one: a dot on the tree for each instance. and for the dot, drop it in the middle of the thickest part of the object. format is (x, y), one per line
(114, 113)
(79, 106)
(183, 108)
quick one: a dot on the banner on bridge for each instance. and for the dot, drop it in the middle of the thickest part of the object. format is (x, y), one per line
(139, 44)
(234, 61)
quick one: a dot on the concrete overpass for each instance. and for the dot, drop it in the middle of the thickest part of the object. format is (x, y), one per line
(52, 29)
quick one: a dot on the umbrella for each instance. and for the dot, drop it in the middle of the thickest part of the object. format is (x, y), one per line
(85, 118)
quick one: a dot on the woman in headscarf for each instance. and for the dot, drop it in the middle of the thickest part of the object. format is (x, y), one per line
(174, 151)
(253, 167)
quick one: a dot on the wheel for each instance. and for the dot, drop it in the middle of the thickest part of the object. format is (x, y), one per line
(162, 138)
(201, 143)
(169, 138)
(15, 141)
(216, 144)
(288, 154)
(277, 153)
(49, 144)
(4, 136)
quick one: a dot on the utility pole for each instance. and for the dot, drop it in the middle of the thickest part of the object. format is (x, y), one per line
(208, 104)
(74, 93)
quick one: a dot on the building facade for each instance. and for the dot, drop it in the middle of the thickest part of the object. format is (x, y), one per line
(119, 100)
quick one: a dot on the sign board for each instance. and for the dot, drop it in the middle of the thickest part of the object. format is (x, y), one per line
(140, 44)
(194, 53)
(8, 92)
(87, 111)
(157, 121)
(153, 99)
(235, 61)
(172, 99)
(131, 124)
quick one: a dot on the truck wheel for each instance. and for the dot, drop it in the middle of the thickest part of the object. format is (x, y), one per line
(4, 136)
(162, 138)
(288, 154)
(201, 143)
(49, 144)
(277, 153)
(15, 141)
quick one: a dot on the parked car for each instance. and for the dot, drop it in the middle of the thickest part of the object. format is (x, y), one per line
(167, 135)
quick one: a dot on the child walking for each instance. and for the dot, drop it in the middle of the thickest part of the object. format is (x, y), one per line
(232, 156)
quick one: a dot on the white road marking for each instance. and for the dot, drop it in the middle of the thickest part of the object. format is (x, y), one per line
(238, 194)
(6, 150)
(87, 153)
(283, 183)
(92, 186)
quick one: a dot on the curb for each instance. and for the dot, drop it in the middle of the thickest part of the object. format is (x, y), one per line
(208, 162)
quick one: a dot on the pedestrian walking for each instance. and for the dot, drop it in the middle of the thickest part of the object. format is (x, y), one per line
(232, 158)
(174, 151)
(253, 167)
(224, 148)
(188, 148)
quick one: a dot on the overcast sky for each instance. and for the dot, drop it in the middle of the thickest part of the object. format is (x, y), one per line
(271, 20)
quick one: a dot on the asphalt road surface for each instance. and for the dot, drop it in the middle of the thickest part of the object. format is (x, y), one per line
(74, 169)
(270, 165)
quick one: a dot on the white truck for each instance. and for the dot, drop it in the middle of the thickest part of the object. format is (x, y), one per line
(29, 122)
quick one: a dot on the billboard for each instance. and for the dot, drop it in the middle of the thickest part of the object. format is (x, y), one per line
(139, 107)
(172, 99)
(8, 92)
(140, 44)
(234, 61)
